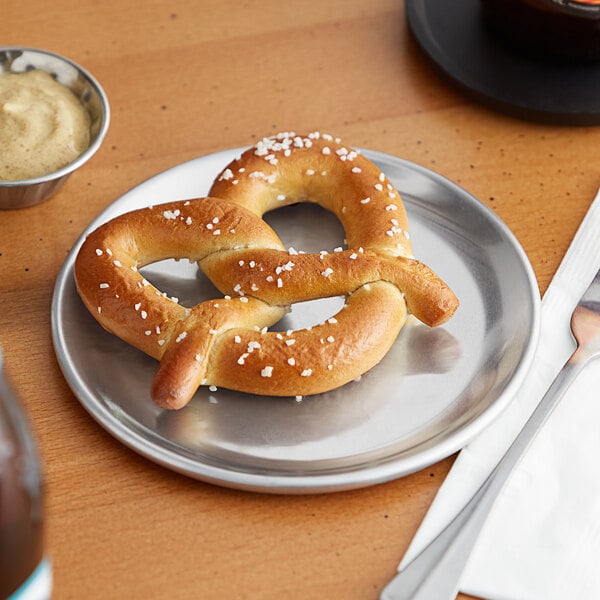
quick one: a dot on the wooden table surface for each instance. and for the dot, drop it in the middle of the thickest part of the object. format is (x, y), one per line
(186, 78)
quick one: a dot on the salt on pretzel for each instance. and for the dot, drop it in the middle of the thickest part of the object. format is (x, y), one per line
(225, 342)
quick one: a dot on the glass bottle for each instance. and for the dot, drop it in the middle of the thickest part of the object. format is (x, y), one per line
(25, 573)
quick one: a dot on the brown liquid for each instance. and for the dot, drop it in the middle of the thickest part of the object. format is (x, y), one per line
(21, 539)
(21, 510)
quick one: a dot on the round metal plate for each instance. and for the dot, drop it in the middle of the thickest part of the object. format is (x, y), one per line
(430, 395)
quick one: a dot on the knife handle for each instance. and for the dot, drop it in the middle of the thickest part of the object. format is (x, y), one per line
(435, 573)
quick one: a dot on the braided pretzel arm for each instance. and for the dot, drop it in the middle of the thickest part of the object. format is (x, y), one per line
(271, 276)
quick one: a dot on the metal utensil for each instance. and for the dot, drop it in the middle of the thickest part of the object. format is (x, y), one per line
(435, 573)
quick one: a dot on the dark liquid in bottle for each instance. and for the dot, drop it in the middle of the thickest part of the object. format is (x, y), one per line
(21, 502)
(21, 536)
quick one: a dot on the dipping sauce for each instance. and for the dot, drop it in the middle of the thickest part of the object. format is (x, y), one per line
(43, 126)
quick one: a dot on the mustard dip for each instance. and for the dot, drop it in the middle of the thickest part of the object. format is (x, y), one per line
(43, 126)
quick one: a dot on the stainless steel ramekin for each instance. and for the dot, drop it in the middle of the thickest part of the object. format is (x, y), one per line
(15, 59)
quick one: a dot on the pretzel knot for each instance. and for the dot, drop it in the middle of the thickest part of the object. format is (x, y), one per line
(225, 342)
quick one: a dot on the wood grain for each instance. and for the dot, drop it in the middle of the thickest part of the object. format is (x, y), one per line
(186, 78)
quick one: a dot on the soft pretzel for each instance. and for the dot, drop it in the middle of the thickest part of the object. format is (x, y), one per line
(225, 342)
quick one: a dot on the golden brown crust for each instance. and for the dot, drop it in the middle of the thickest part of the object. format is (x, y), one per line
(225, 342)
(318, 359)
(288, 168)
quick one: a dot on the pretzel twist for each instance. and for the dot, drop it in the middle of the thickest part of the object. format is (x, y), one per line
(225, 342)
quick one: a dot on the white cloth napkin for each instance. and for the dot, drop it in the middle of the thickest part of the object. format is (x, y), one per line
(542, 540)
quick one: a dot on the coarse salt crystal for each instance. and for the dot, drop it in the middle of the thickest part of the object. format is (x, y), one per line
(267, 371)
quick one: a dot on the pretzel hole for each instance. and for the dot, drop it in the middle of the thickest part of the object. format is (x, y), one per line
(182, 280)
(307, 227)
(309, 313)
